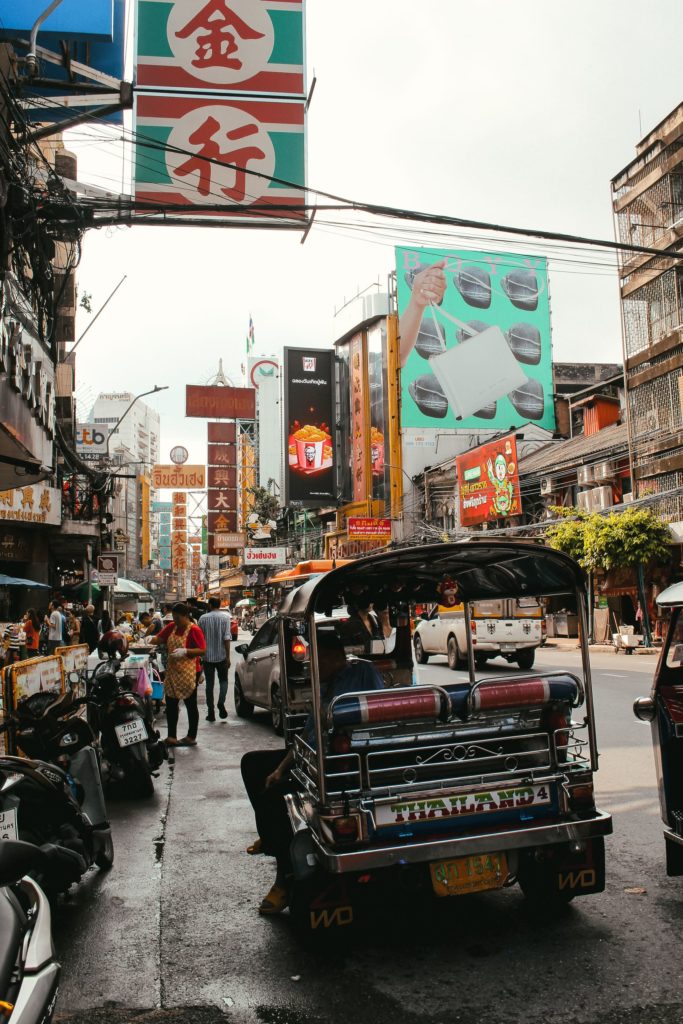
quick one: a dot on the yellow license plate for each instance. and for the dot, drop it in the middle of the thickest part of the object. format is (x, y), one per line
(469, 874)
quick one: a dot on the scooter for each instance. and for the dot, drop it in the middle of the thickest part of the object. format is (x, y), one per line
(29, 972)
(54, 794)
(132, 749)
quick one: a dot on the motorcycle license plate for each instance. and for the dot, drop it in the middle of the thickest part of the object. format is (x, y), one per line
(469, 874)
(8, 824)
(131, 732)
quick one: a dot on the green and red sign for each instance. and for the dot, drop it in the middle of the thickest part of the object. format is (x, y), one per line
(488, 479)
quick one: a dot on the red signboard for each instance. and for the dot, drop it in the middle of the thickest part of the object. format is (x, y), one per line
(367, 528)
(488, 477)
(221, 433)
(222, 476)
(215, 402)
(222, 500)
(220, 522)
(222, 454)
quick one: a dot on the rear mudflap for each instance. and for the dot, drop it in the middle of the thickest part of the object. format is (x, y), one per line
(568, 871)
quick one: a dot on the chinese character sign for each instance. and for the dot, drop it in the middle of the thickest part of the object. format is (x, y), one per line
(488, 480)
(237, 46)
(475, 340)
(208, 151)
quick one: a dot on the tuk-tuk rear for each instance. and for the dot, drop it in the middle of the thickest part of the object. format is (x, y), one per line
(460, 787)
(663, 708)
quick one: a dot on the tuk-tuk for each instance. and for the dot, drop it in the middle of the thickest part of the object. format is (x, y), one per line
(664, 710)
(449, 788)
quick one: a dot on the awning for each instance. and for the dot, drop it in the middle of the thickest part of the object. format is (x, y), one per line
(130, 587)
(124, 588)
(17, 581)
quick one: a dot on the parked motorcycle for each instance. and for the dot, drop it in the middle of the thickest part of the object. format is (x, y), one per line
(29, 972)
(131, 747)
(54, 794)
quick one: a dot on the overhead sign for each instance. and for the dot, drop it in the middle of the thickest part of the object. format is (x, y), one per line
(309, 419)
(215, 402)
(91, 442)
(481, 357)
(221, 433)
(368, 528)
(245, 46)
(38, 505)
(488, 482)
(265, 556)
(188, 477)
(200, 151)
(108, 569)
(229, 540)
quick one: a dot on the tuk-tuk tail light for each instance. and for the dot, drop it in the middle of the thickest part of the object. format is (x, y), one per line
(580, 797)
(345, 830)
(299, 649)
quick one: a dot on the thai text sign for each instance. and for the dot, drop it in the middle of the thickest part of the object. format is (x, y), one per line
(243, 46)
(309, 421)
(39, 505)
(219, 157)
(220, 402)
(367, 528)
(229, 540)
(265, 556)
(435, 808)
(488, 480)
(451, 377)
(187, 476)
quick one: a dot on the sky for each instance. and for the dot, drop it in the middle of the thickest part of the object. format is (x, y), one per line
(510, 113)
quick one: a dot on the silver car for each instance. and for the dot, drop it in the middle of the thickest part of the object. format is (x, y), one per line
(257, 675)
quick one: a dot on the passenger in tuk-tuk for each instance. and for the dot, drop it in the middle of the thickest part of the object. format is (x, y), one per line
(373, 617)
(266, 773)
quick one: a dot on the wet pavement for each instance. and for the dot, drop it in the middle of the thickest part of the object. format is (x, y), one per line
(171, 934)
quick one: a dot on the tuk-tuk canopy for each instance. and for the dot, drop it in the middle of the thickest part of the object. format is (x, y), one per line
(313, 567)
(480, 569)
(670, 597)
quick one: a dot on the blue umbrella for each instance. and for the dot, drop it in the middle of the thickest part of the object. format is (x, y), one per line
(17, 581)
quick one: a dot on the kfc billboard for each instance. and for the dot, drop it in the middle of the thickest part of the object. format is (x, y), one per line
(488, 478)
(309, 419)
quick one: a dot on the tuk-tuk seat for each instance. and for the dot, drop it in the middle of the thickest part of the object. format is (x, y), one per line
(498, 695)
(383, 706)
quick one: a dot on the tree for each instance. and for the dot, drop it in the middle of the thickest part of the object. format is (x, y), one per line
(264, 504)
(569, 534)
(621, 539)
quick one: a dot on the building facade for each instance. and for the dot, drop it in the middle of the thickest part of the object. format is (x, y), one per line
(648, 207)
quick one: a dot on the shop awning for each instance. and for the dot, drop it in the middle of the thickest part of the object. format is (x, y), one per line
(17, 581)
(124, 588)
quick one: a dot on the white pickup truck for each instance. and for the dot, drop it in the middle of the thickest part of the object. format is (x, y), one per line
(511, 629)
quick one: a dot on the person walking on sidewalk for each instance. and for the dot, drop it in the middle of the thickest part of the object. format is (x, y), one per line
(215, 625)
(55, 621)
(185, 645)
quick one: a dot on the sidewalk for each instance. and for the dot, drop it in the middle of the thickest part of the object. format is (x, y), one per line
(571, 643)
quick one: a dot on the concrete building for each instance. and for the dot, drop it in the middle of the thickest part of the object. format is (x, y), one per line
(648, 206)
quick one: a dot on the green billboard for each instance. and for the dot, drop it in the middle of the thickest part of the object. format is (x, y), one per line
(475, 343)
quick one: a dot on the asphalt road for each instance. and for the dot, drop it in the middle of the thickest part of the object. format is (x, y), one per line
(171, 934)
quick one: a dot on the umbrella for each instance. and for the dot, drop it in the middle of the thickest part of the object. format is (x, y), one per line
(245, 602)
(17, 581)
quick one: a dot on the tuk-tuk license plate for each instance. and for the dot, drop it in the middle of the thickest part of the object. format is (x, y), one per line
(131, 732)
(469, 874)
(8, 824)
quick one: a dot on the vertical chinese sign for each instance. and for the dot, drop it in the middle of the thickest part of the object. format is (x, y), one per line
(222, 481)
(179, 532)
(220, 107)
(163, 511)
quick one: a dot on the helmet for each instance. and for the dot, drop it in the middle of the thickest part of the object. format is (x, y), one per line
(112, 644)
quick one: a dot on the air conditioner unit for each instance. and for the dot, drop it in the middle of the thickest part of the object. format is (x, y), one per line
(601, 497)
(605, 471)
(584, 501)
(585, 475)
(548, 485)
(627, 498)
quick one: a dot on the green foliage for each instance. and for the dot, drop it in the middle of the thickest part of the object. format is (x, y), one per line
(86, 302)
(633, 537)
(266, 505)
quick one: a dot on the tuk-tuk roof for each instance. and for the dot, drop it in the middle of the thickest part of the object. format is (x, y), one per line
(673, 595)
(482, 569)
(313, 567)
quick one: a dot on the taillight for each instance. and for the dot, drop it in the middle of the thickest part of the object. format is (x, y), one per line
(473, 626)
(340, 743)
(345, 830)
(299, 649)
(580, 797)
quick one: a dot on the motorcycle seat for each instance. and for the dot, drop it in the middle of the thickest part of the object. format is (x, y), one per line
(12, 927)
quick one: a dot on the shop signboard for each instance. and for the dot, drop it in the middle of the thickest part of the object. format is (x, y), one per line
(217, 402)
(219, 522)
(368, 528)
(221, 500)
(189, 477)
(91, 441)
(360, 454)
(162, 507)
(37, 504)
(108, 569)
(481, 358)
(265, 556)
(488, 482)
(309, 419)
(221, 433)
(221, 476)
(245, 46)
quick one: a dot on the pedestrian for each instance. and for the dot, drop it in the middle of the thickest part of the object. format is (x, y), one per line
(105, 625)
(89, 632)
(74, 630)
(32, 631)
(55, 621)
(215, 625)
(185, 645)
(150, 625)
(15, 643)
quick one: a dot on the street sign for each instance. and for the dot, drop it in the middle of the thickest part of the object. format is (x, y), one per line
(265, 556)
(108, 569)
(367, 528)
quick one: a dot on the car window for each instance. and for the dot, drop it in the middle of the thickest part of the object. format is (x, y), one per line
(266, 636)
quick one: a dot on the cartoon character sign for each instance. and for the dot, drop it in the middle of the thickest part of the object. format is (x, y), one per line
(488, 482)
(502, 485)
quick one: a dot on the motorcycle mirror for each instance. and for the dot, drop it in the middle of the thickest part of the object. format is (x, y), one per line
(17, 859)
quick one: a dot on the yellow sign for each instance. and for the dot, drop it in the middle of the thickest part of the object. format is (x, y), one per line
(145, 510)
(186, 477)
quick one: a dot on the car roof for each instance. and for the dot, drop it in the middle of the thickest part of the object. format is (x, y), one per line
(481, 569)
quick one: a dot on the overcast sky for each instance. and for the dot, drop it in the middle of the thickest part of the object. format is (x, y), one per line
(515, 113)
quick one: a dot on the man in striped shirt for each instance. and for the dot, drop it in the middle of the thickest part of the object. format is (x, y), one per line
(215, 625)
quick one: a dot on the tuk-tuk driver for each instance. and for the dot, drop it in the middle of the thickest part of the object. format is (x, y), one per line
(266, 773)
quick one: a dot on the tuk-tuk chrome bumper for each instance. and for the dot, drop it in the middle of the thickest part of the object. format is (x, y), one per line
(532, 835)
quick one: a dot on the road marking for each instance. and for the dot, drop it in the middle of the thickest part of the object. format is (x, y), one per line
(614, 675)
